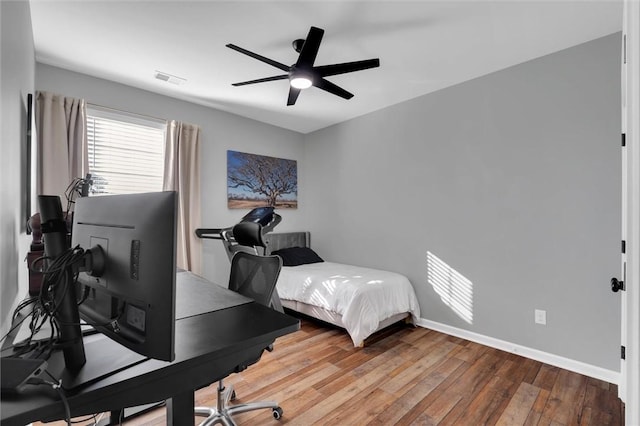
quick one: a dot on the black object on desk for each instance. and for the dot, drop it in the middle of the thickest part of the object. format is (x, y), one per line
(16, 372)
(209, 346)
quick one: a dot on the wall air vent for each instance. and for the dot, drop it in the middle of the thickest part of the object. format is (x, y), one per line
(169, 78)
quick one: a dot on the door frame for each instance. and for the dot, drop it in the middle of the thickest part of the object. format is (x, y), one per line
(629, 386)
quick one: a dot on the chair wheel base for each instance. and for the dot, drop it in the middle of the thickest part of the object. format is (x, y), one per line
(277, 413)
(224, 412)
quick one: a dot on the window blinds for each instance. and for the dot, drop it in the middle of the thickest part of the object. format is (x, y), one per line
(126, 151)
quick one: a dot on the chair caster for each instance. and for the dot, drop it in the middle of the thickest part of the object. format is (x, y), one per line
(277, 413)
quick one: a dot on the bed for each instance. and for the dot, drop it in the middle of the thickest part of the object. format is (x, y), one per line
(360, 300)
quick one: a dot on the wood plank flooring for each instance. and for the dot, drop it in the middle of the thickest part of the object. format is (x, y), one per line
(408, 376)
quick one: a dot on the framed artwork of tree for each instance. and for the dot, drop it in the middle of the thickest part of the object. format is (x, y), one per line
(257, 181)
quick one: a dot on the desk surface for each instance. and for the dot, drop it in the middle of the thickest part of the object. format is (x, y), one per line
(208, 347)
(195, 296)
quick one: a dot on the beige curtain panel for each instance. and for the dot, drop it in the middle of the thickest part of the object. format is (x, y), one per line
(62, 140)
(182, 174)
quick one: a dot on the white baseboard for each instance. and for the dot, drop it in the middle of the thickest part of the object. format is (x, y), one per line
(579, 367)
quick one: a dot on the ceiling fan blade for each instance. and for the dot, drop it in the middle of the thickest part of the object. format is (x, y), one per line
(327, 70)
(262, 80)
(271, 62)
(332, 88)
(310, 47)
(293, 96)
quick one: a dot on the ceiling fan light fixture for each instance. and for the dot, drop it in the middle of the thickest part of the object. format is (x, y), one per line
(304, 74)
(301, 82)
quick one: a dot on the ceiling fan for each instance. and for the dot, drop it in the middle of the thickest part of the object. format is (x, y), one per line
(303, 74)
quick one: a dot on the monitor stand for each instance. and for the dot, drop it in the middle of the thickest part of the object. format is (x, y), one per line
(104, 358)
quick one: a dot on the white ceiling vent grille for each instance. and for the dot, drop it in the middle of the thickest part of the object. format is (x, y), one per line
(169, 78)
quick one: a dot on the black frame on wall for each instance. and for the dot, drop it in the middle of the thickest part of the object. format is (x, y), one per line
(28, 161)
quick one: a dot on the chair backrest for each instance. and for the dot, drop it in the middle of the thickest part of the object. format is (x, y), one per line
(248, 234)
(255, 276)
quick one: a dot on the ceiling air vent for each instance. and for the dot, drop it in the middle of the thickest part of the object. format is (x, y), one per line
(169, 78)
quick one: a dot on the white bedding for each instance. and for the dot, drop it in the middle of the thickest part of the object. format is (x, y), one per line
(362, 296)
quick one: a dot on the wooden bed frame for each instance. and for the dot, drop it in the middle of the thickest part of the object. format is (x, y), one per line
(277, 241)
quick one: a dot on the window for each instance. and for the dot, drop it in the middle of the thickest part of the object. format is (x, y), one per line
(126, 151)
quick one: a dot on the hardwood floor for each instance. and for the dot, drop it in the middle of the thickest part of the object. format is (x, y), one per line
(409, 376)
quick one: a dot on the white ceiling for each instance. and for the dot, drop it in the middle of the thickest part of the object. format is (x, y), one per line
(423, 46)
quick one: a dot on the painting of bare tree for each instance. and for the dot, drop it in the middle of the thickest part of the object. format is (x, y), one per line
(257, 181)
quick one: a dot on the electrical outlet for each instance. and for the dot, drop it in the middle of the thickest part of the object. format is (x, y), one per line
(541, 317)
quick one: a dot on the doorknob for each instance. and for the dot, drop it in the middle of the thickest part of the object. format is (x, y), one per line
(616, 285)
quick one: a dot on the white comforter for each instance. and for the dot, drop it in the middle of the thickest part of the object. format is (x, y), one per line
(363, 297)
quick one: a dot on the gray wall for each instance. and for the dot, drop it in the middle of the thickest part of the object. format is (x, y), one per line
(17, 69)
(511, 179)
(220, 132)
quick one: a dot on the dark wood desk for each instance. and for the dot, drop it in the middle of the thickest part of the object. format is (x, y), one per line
(208, 346)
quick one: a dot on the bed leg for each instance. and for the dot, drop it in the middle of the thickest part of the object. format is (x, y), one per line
(408, 320)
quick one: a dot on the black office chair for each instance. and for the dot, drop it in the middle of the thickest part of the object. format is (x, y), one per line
(249, 238)
(253, 276)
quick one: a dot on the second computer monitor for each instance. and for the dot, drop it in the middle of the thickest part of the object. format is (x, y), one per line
(133, 299)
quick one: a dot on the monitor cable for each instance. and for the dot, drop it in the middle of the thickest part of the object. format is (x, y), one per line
(45, 305)
(55, 384)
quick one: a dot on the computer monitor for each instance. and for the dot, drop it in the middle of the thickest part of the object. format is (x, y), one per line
(132, 301)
